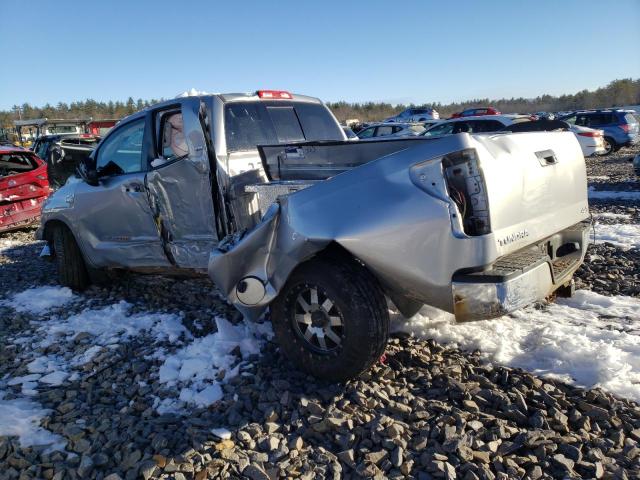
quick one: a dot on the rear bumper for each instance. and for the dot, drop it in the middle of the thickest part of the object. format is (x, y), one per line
(521, 278)
(20, 214)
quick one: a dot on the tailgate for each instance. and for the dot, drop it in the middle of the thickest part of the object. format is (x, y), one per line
(536, 185)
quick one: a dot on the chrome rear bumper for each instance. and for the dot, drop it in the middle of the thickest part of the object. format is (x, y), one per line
(521, 278)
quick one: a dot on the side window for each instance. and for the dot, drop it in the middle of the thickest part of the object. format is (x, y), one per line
(121, 152)
(366, 133)
(172, 141)
(384, 130)
(462, 127)
(582, 120)
(444, 129)
(571, 120)
(487, 126)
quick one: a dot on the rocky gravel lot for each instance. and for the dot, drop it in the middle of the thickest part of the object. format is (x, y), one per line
(427, 410)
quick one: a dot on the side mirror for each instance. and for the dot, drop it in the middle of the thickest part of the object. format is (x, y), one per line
(86, 170)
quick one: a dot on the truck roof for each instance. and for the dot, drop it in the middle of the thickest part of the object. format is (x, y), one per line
(226, 98)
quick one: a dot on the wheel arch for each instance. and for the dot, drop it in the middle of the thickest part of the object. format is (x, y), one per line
(336, 252)
(47, 232)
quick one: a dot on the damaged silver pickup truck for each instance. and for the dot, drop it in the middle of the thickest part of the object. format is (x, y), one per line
(263, 192)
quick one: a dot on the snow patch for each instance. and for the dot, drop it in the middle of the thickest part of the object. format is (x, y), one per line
(198, 368)
(589, 340)
(112, 325)
(192, 92)
(39, 300)
(623, 235)
(616, 216)
(21, 417)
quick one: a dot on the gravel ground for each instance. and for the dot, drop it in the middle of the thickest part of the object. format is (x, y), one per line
(425, 411)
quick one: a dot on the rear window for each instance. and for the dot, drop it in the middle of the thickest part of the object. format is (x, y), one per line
(630, 118)
(249, 124)
(15, 163)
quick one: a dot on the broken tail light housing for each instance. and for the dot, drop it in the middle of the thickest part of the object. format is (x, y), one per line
(625, 127)
(467, 188)
(274, 94)
(456, 178)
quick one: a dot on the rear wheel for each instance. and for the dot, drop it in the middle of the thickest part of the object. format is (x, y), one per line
(72, 271)
(331, 319)
(610, 146)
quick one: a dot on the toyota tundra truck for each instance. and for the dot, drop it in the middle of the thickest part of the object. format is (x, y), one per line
(263, 192)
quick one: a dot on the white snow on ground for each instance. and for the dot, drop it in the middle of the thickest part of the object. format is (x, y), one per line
(589, 340)
(40, 299)
(100, 329)
(621, 216)
(21, 417)
(613, 194)
(598, 177)
(623, 235)
(6, 244)
(113, 324)
(198, 368)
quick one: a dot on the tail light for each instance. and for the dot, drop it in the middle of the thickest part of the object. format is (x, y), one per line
(590, 134)
(274, 94)
(467, 189)
(625, 127)
(463, 187)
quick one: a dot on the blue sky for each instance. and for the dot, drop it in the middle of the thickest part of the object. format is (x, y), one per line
(355, 51)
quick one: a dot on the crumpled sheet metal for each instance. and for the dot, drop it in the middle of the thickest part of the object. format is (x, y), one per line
(269, 252)
(375, 212)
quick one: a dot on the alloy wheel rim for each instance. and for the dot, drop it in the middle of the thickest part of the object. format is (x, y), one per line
(317, 320)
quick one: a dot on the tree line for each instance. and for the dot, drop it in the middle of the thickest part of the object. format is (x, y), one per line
(617, 93)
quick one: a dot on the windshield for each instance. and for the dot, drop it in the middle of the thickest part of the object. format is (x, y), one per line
(249, 124)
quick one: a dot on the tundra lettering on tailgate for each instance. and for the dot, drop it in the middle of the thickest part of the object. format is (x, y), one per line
(514, 237)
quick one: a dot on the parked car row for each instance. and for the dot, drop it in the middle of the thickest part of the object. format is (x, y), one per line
(591, 141)
(599, 132)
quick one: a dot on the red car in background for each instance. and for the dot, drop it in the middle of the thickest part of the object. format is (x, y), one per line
(474, 112)
(23, 187)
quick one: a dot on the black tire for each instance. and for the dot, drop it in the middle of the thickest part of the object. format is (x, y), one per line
(356, 299)
(72, 271)
(610, 146)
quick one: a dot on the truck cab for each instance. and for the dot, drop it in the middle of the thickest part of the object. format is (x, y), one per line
(167, 183)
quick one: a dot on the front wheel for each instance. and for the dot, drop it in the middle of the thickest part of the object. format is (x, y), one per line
(331, 319)
(72, 271)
